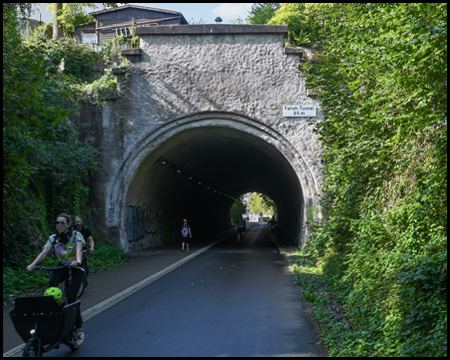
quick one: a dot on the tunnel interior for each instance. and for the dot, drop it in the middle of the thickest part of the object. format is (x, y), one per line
(197, 173)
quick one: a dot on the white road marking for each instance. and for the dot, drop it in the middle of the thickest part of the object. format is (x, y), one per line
(97, 309)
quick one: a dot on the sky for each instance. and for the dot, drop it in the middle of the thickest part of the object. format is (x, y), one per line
(191, 11)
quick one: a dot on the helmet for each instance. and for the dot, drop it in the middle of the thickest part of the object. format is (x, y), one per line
(55, 292)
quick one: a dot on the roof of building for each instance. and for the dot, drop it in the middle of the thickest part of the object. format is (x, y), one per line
(88, 23)
(95, 13)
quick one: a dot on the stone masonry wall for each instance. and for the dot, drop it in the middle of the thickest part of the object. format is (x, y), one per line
(246, 74)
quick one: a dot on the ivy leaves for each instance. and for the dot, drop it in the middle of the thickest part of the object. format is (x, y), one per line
(382, 78)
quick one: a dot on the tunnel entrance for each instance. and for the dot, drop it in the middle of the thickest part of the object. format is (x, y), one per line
(196, 169)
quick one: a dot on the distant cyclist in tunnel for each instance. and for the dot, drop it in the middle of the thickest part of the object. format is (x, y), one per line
(273, 224)
(186, 235)
(240, 228)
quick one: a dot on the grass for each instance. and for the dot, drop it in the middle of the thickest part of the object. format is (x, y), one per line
(325, 308)
(20, 281)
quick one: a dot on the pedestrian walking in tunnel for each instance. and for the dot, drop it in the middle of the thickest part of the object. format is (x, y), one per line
(186, 235)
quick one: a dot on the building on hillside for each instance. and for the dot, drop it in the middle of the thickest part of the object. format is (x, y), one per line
(110, 23)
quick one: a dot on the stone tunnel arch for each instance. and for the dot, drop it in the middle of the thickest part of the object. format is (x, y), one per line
(227, 153)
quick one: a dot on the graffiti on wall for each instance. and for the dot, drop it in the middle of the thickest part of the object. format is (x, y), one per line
(148, 223)
(152, 221)
(156, 223)
(135, 223)
(111, 213)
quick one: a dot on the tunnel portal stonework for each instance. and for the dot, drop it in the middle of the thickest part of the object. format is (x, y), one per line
(196, 121)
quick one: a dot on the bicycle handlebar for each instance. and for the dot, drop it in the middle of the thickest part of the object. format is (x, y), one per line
(37, 267)
(51, 268)
(66, 266)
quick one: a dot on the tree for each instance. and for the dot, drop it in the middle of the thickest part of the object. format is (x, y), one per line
(306, 21)
(67, 15)
(237, 209)
(45, 168)
(269, 204)
(13, 12)
(261, 13)
(57, 12)
(261, 203)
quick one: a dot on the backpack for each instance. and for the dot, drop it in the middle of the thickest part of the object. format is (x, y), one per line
(185, 232)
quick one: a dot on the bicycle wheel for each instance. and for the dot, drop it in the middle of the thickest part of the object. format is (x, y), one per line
(32, 349)
(81, 289)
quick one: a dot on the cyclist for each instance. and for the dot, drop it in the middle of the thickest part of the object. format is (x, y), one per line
(240, 228)
(87, 235)
(67, 246)
(272, 224)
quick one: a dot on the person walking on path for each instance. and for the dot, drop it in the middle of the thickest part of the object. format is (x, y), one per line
(66, 244)
(186, 235)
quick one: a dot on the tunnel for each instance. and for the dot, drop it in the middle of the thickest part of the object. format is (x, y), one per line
(196, 169)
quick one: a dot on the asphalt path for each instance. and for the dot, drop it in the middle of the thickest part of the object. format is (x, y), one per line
(232, 300)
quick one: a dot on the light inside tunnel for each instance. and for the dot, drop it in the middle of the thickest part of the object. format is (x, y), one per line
(198, 173)
(261, 204)
(186, 174)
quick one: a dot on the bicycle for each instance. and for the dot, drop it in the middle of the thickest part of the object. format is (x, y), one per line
(273, 233)
(84, 283)
(42, 323)
(273, 225)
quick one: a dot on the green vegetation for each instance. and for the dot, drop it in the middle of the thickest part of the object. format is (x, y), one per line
(305, 20)
(67, 15)
(17, 280)
(194, 22)
(70, 14)
(261, 13)
(135, 42)
(261, 203)
(381, 74)
(236, 211)
(379, 255)
(71, 62)
(46, 169)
